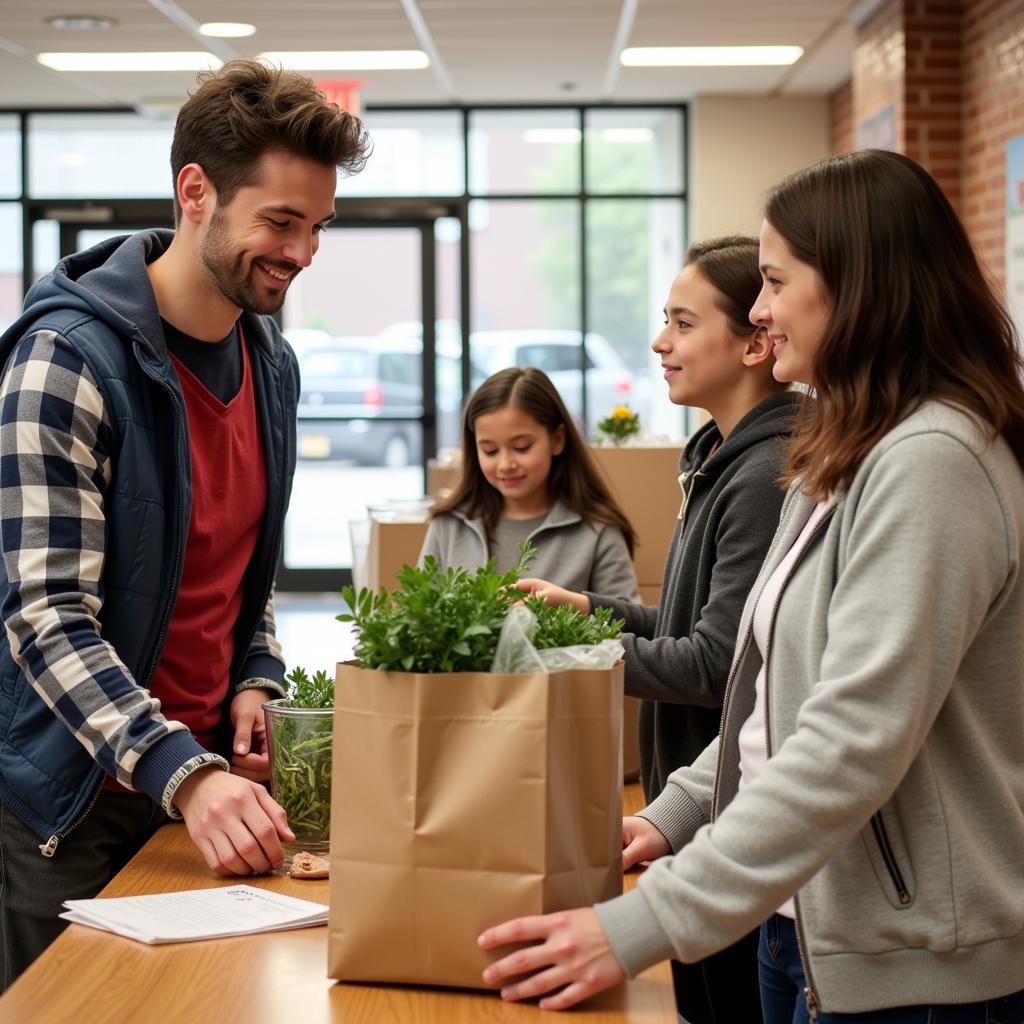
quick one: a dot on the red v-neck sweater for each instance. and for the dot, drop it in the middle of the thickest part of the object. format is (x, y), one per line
(229, 494)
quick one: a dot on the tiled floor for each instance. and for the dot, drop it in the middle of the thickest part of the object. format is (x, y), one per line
(309, 633)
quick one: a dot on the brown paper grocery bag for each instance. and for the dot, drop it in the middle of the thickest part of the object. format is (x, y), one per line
(463, 800)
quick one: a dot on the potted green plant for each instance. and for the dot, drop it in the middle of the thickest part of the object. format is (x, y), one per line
(619, 424)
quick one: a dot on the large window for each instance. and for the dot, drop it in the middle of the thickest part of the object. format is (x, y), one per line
(633, 151)
(10, 157)
(525, 152)
(577, 230)
(543, 236)
(92, 156)
(10, 263)
(415, 153)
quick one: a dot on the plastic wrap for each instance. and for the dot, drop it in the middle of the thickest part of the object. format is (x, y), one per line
(516, 653)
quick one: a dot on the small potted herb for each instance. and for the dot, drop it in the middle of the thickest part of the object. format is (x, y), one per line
(299, 732)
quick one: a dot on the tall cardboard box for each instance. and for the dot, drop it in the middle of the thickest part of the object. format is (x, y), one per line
(645, 483)
(442, 477)
(392, 545)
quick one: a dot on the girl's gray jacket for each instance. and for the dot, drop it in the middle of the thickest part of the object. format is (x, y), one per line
(892, 803)
(570, 553)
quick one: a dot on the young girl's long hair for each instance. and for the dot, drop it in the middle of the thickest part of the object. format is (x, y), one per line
(911, 314)
(574, 477)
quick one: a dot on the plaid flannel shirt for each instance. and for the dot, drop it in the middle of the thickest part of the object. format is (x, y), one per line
(56, 447)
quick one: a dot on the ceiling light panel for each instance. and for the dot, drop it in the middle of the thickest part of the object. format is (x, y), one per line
(227, 29)
(142, 61)
(349, 60)
(709, 56)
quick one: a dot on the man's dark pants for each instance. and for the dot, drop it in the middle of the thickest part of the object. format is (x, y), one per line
(33, 887)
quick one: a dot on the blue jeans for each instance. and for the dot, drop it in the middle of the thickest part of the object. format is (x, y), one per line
(782, 992)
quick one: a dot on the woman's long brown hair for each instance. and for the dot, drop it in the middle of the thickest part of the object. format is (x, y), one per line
(574, 477)
(911, 314)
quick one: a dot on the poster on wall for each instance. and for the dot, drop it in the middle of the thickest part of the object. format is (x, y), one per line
(879, 130)
(1015, 232)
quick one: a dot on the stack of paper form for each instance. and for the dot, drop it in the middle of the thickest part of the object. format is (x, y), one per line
(196, 914)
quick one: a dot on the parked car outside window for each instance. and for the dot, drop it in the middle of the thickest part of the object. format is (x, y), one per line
(610, 382)
(557, 353)
(356, 393)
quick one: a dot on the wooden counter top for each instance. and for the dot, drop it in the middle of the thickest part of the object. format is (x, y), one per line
(91, 977)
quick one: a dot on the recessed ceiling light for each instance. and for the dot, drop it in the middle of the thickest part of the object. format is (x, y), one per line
(227, 29)
(349, 60)
(161, 60)
(708, 56)
(80, 22)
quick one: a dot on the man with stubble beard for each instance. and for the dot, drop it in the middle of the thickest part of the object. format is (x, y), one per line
(147, 447)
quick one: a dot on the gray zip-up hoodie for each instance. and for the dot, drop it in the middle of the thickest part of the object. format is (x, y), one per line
(892, 802)
(678, 654)
(570, 552)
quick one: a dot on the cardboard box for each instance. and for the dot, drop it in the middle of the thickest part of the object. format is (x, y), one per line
(645, 483)
(391, 546)
(441, 477)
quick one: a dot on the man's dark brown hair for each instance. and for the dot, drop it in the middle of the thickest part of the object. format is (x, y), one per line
(248, 108)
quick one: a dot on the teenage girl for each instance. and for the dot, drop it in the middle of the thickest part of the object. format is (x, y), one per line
(678, 653)
(866, 796)
(527, 475)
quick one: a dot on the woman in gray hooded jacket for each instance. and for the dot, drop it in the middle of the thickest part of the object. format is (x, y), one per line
(865, 799)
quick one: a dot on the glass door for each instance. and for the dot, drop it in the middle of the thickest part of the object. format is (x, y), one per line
(361, 319)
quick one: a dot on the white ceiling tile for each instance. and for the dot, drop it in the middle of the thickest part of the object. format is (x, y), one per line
(493, 50)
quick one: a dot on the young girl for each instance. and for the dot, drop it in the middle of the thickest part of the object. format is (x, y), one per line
(527, 475)
(866, 796)
(678, 654)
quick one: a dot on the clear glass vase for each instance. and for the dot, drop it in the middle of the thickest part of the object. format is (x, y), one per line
(299, 744)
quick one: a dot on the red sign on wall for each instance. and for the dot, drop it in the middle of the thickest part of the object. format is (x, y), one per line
(344, 92)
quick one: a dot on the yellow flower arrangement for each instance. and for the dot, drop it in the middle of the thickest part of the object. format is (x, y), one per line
(621, 423)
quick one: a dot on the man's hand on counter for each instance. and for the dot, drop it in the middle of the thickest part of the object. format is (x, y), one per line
(571, 954)
(237, 824)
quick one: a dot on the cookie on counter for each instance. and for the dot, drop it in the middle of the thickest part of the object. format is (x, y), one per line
(309, 865)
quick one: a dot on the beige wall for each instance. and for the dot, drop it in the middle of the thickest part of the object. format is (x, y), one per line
(741, 146)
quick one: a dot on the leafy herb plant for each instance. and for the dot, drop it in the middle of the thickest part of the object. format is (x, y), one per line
(304, 692)
(301, 762)
(450, 620)
(566, 627)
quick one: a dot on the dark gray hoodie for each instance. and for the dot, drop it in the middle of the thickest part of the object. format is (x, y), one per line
(678, 654)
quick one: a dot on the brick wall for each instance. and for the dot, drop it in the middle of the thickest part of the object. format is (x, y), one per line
(993, 112)
(932, 110)
(840, 117)
(953, 72)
